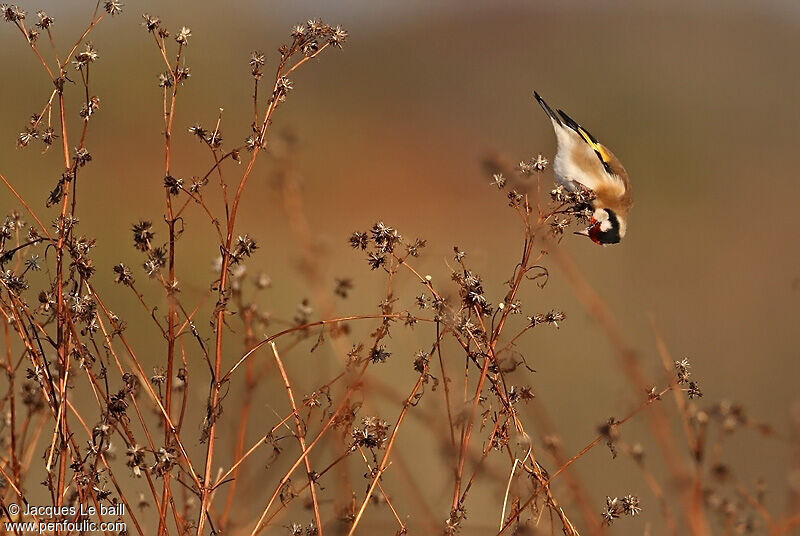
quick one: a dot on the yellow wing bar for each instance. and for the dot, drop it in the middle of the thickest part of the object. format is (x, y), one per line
(598, 148)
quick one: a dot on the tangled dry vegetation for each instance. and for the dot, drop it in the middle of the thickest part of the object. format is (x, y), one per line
(86, 423)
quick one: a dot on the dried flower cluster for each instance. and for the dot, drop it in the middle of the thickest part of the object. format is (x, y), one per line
(682, 373)
(616, 508)
(372, 434)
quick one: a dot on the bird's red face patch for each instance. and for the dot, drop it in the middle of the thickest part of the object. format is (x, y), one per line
(594, 231)
(604, 230)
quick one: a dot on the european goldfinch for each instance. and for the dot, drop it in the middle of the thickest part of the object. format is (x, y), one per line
(583, 160)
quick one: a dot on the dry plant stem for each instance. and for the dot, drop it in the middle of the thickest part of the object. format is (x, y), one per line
(216, 384)
(21, 25)
(235, 467)
(335, 463)
(457, 497)
(659, 425)
(355, 383)
(545, 426)
(431, 521)
(304, 327)
(655, 488)
(264, 439)
(102, 458)
(312, 271)
(199, 200)
(9, 366)
(169, 118)
(62, 341)
(258, 526)
(508, 489)
(17, 491)
(128, 435)
(596, 441)
(63, 336)
(27, 457)
(757, 506)
(49, 394)
(502, 388)
(680, 401)
(522, 269)
(694, 443)
(384, 461)
(94, 21)
(439, 335)
(479, 463)
(380, 488)
(244, 413)
(47, 108)
(429, 420)
(30, 211)
(462, 454)
(446, 389)
(148, 388)
(300, 437)
(786, 526)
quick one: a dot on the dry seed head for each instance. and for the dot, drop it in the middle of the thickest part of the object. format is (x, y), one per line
(113, 7)
(182, 37)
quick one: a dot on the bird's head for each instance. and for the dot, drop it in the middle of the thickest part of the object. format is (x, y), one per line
(605, 227)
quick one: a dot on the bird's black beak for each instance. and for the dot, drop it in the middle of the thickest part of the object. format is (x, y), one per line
(585, 232)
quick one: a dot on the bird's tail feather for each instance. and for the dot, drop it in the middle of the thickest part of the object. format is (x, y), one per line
(549, 111)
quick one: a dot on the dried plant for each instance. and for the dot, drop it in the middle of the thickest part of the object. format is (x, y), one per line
(202, 472)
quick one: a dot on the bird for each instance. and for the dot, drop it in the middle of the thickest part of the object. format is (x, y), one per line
(582, 160)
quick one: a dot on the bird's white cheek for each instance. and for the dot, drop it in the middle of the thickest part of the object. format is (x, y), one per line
(605, 225)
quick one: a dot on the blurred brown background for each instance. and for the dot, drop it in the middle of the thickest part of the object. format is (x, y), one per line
(698, 100)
